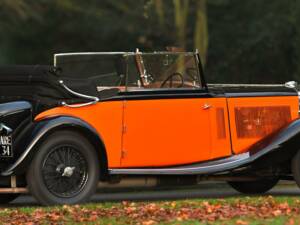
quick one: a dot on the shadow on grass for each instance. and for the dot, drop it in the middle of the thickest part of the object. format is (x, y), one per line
(210, 191)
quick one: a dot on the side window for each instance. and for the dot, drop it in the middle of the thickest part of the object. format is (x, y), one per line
(162, 71)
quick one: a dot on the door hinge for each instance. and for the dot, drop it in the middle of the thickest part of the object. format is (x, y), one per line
(124, 129)
(123, 154)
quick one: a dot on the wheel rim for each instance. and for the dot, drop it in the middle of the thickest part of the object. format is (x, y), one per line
(65, 171)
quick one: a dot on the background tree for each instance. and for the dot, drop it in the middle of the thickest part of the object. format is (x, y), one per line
(201, 30)
(250, 41)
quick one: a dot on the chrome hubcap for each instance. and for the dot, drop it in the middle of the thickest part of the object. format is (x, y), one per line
(68, 171)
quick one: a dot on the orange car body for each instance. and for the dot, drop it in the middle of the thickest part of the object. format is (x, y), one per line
(144, 116)
(168, 132)
(153, 113)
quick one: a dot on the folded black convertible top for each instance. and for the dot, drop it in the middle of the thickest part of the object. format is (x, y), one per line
(27, 73)
(26, 69)
(40, 85)
(37, 84)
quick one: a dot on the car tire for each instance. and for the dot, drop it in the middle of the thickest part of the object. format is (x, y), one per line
(65, 170)
(254, 187)
(7, 198)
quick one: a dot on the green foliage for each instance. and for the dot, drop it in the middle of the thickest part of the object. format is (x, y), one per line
(251, 41)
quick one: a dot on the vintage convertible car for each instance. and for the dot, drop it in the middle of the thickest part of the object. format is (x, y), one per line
(140, 119)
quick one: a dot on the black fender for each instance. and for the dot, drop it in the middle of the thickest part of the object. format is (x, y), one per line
(42, 129)
(278, 147)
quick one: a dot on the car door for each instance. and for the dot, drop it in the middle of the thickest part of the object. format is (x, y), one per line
(171, 126)
(162, 132)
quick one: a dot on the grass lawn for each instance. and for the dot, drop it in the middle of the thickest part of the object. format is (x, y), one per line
(241, 210)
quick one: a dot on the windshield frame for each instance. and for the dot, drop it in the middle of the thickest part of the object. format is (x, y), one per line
(124, 88)
(198, 67)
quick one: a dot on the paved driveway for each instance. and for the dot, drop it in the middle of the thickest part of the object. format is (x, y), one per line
(201, 191)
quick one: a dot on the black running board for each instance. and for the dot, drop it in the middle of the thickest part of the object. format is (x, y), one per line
(215, 166)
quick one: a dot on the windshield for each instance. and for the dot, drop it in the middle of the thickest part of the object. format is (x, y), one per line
(163, 70)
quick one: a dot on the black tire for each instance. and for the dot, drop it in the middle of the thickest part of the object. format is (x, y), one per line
(65, 170)
(7, 198)
(254, 187)
(296, 168)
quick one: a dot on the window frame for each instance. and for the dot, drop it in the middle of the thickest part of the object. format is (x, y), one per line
(202, 84)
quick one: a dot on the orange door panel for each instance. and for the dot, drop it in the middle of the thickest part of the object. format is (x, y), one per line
(253, 118)
(105, 117)
(157, 132)
(173, 132)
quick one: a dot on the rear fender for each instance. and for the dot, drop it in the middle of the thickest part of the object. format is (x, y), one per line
(42, 129)
(279, 147)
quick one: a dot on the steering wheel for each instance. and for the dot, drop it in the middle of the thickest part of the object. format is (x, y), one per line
(170, 79)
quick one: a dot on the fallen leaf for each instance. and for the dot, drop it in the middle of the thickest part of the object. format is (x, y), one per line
(149, 222)
(241, 222)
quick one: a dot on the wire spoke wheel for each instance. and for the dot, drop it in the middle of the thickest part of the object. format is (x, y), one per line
(65, 171)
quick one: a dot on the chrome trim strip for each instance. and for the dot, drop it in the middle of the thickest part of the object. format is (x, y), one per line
(6, 128)
(90, 53)
(13, 107)
(78, 94)
(201, 168)
(93, 98)
(246, 85)
(124, 53)
(78, 105)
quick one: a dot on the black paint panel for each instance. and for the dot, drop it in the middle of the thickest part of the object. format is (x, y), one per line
(14, 107)
(213, 92)
(17, 116)
(254, 91)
